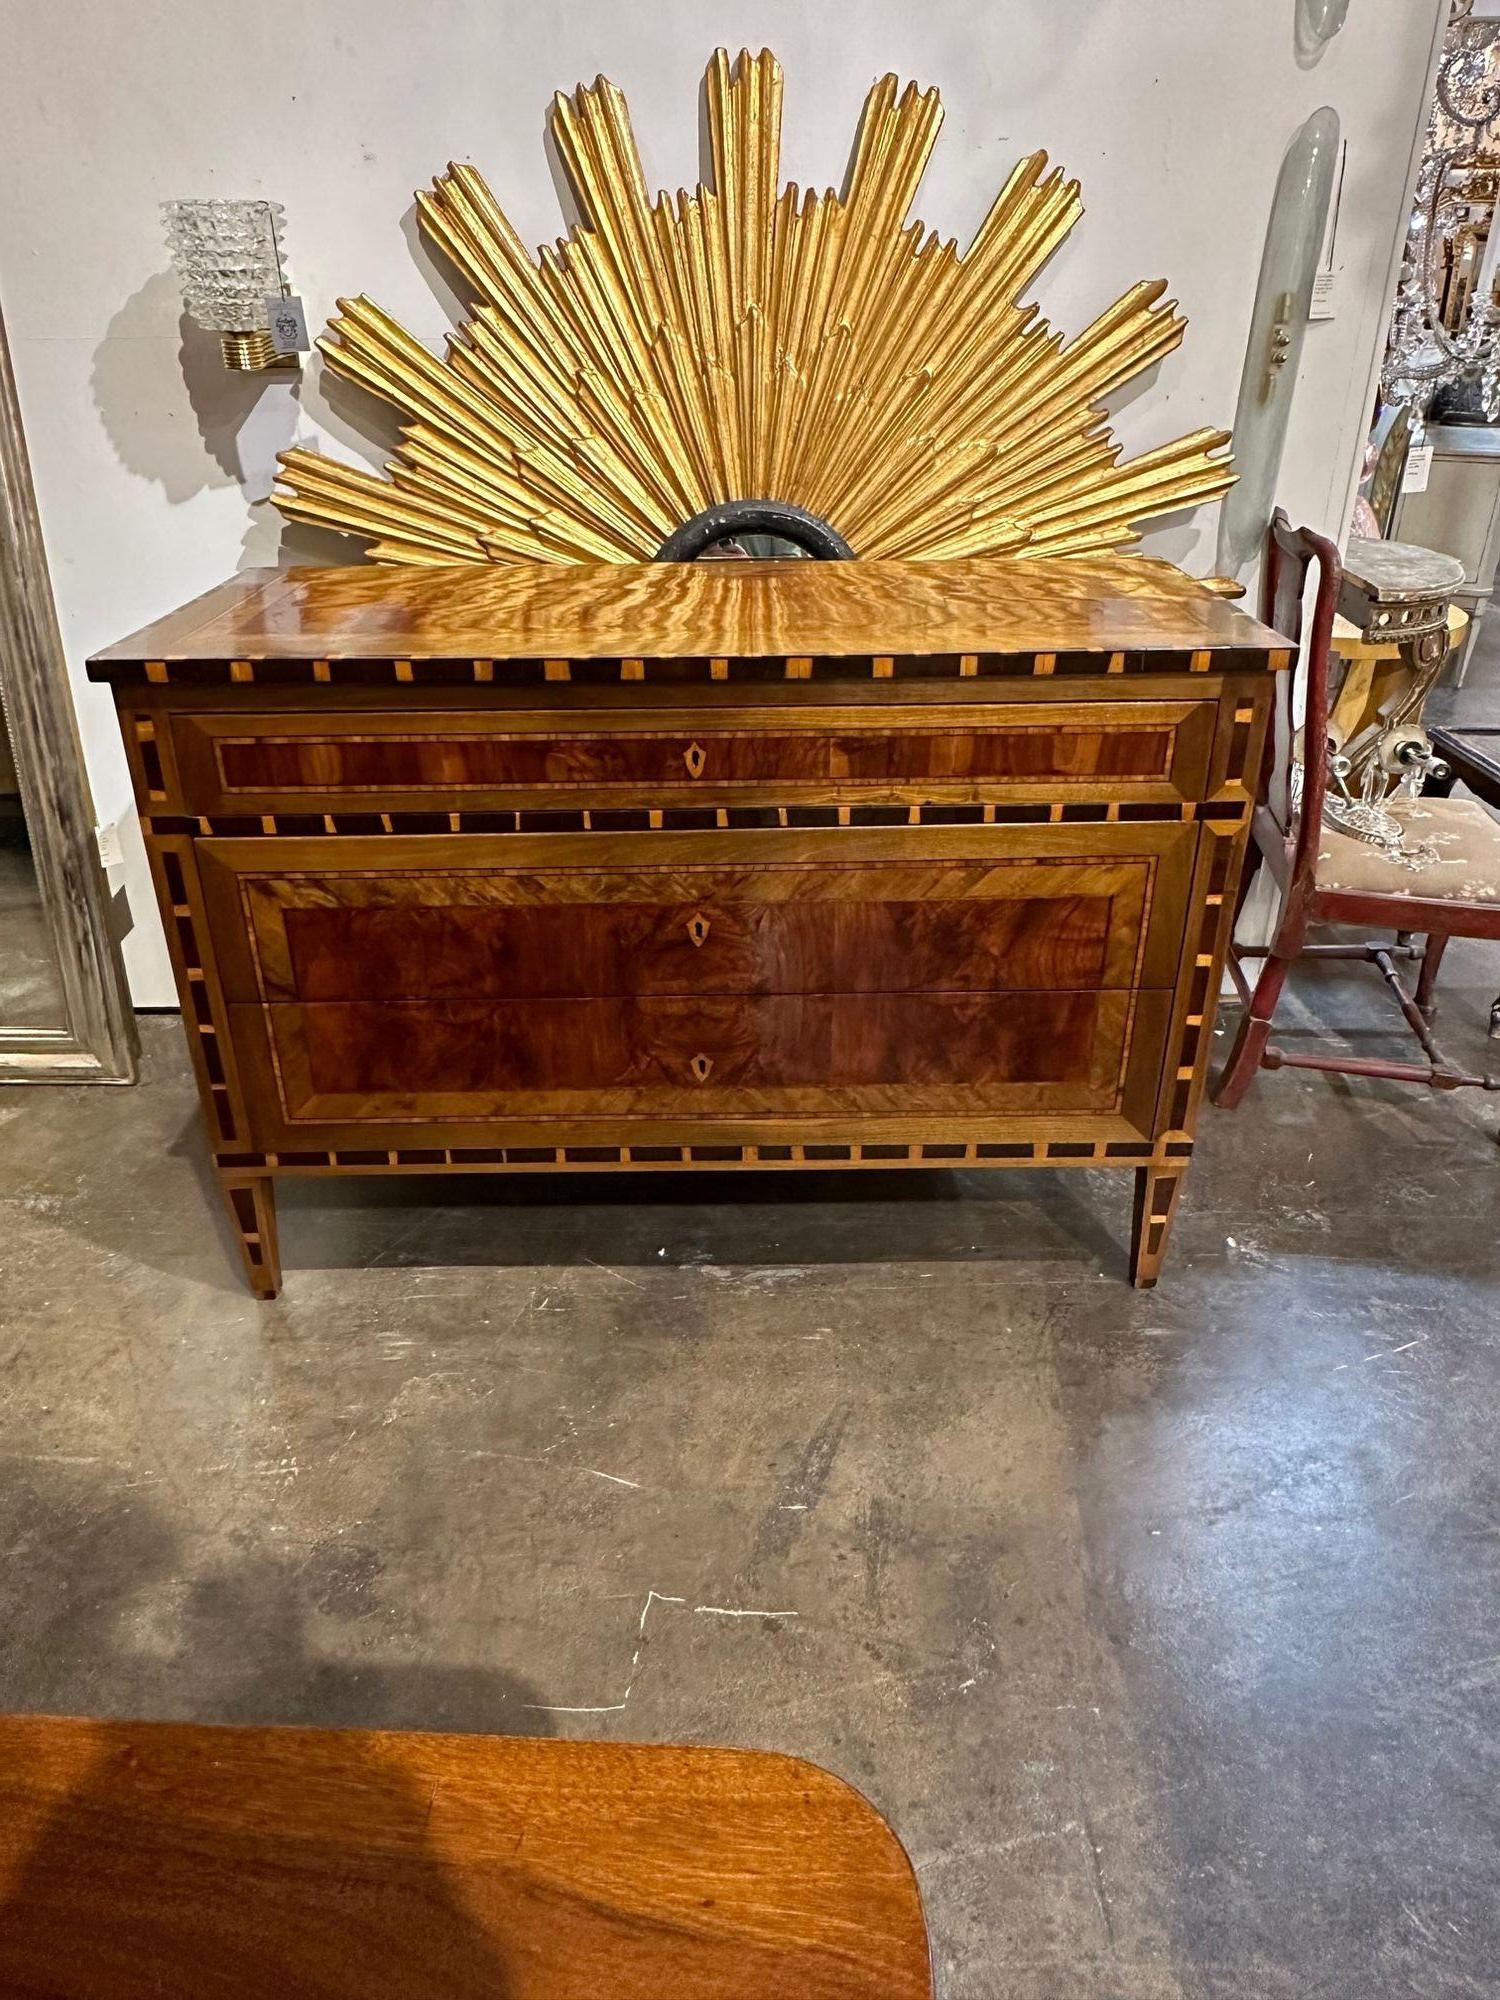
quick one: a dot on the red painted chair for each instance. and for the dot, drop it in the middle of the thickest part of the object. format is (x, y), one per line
(1325, 875)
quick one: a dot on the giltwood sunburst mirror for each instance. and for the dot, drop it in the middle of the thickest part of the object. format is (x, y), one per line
(749, 343)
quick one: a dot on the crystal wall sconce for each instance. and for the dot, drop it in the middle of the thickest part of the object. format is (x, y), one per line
(228, 260)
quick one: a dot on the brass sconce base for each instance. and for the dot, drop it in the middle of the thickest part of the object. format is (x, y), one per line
(255, 349)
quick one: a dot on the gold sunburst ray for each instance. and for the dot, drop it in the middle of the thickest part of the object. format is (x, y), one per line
(752, 341)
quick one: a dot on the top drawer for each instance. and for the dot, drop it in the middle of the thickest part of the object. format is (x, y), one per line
(460, 760)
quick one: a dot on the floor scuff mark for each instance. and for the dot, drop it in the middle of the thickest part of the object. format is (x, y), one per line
(614, 1707)
(724, 1611)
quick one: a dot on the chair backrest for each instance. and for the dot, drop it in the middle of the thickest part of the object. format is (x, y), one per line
(1290, 553)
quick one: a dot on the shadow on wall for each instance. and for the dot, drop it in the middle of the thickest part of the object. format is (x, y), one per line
(436, 273)
(1176, 540)
(145, 387)
(272, 542)
(176, 416)
(370, 428)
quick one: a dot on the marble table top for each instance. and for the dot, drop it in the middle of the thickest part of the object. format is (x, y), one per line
(1400, 572)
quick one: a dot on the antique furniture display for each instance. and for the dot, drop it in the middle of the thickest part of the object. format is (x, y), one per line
(698, 865)
(140, 1859)
(525, 851)
(1459, 513)
(1377, 855)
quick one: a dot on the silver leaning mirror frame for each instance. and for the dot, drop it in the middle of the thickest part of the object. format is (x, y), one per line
(95, 1039)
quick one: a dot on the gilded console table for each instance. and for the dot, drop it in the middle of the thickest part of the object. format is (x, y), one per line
(773, 865)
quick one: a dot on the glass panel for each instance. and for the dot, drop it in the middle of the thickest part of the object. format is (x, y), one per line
(30, 990)
(1318, 21)
(1294, 236)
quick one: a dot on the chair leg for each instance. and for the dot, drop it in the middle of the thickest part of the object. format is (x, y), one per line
(1254, 1032)
(1432, 958)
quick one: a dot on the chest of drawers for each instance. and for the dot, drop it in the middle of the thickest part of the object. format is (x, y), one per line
(731, 865)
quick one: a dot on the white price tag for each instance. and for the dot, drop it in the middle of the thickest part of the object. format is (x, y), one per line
(1321, 304)
(288, 324)
(1418, 469)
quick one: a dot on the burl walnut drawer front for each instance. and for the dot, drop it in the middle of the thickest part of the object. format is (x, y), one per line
(265, 762)
(963, 971)
(804, 1055)
(439, 936)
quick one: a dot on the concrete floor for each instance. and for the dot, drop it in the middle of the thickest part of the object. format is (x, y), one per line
(1164, 1627)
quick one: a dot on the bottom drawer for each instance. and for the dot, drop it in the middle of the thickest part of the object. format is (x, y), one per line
(317, 1070)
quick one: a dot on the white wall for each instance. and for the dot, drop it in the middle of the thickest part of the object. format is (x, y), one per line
(151, 461)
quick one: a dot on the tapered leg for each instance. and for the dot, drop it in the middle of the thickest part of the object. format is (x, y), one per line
(1432, 958)
(251, 1201)
(1254, 1032)
(1249, 876)
(1155, 1204)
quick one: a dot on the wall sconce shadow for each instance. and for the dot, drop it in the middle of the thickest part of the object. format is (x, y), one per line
(154, 367)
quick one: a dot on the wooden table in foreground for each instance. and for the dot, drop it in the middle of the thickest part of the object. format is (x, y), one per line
(659, 866)
(142, 1859)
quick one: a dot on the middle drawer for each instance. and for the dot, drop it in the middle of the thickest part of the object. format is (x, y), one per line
(462, 760)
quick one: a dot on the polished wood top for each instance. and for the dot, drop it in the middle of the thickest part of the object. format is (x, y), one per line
(144, 1859)
(731, 610)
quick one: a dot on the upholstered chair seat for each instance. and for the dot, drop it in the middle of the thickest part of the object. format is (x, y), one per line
(1467, 868)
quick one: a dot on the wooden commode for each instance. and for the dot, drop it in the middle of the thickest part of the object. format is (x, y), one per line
(709, 865)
